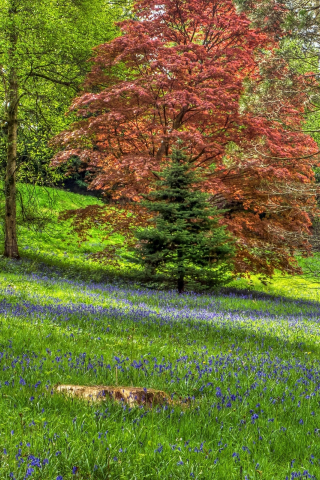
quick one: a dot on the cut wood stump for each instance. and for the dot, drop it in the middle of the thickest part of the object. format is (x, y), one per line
(131, 395)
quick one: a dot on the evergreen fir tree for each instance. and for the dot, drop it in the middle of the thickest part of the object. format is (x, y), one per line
(186, 242)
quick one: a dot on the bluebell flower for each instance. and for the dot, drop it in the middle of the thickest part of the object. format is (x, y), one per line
(254, 417)
(29, 472)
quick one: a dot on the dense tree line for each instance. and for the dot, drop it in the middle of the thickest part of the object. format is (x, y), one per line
(234, 82)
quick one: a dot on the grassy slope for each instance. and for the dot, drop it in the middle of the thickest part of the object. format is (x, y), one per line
(55, 245)
(248, 363)
(55, 237)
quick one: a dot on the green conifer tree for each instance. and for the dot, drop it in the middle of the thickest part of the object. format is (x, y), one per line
(186, 242)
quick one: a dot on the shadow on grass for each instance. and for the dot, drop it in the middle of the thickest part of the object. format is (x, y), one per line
(81, 269)
(250, 294)
(181, 327)
(64, 267)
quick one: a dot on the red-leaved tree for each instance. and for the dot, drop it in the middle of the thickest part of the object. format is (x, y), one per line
(195, 71)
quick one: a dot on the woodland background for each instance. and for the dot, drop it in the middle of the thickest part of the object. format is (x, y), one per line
(236, 85)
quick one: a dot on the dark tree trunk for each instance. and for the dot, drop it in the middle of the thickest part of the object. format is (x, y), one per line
(180, 271)
(11, 242)
(181, 283)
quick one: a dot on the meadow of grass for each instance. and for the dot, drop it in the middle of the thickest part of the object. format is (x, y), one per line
(242, 367)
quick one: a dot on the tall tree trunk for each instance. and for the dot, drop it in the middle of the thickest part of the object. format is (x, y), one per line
(11, 242)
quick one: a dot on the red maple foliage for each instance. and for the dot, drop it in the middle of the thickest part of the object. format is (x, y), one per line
(195, 71)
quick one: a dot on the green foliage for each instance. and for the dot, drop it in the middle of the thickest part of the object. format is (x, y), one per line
(55, 41)
(186, 242)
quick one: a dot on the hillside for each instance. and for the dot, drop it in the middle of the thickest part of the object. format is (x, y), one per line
(56, 247)
(53, 243)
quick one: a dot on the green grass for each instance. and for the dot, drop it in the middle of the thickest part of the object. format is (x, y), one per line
(54, 245)
(54, 237)
(248, 363)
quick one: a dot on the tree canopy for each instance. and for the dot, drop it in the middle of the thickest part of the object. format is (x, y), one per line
(200, 73)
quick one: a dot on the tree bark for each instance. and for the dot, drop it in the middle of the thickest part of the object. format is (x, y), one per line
(181, 283)
(11, 241)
